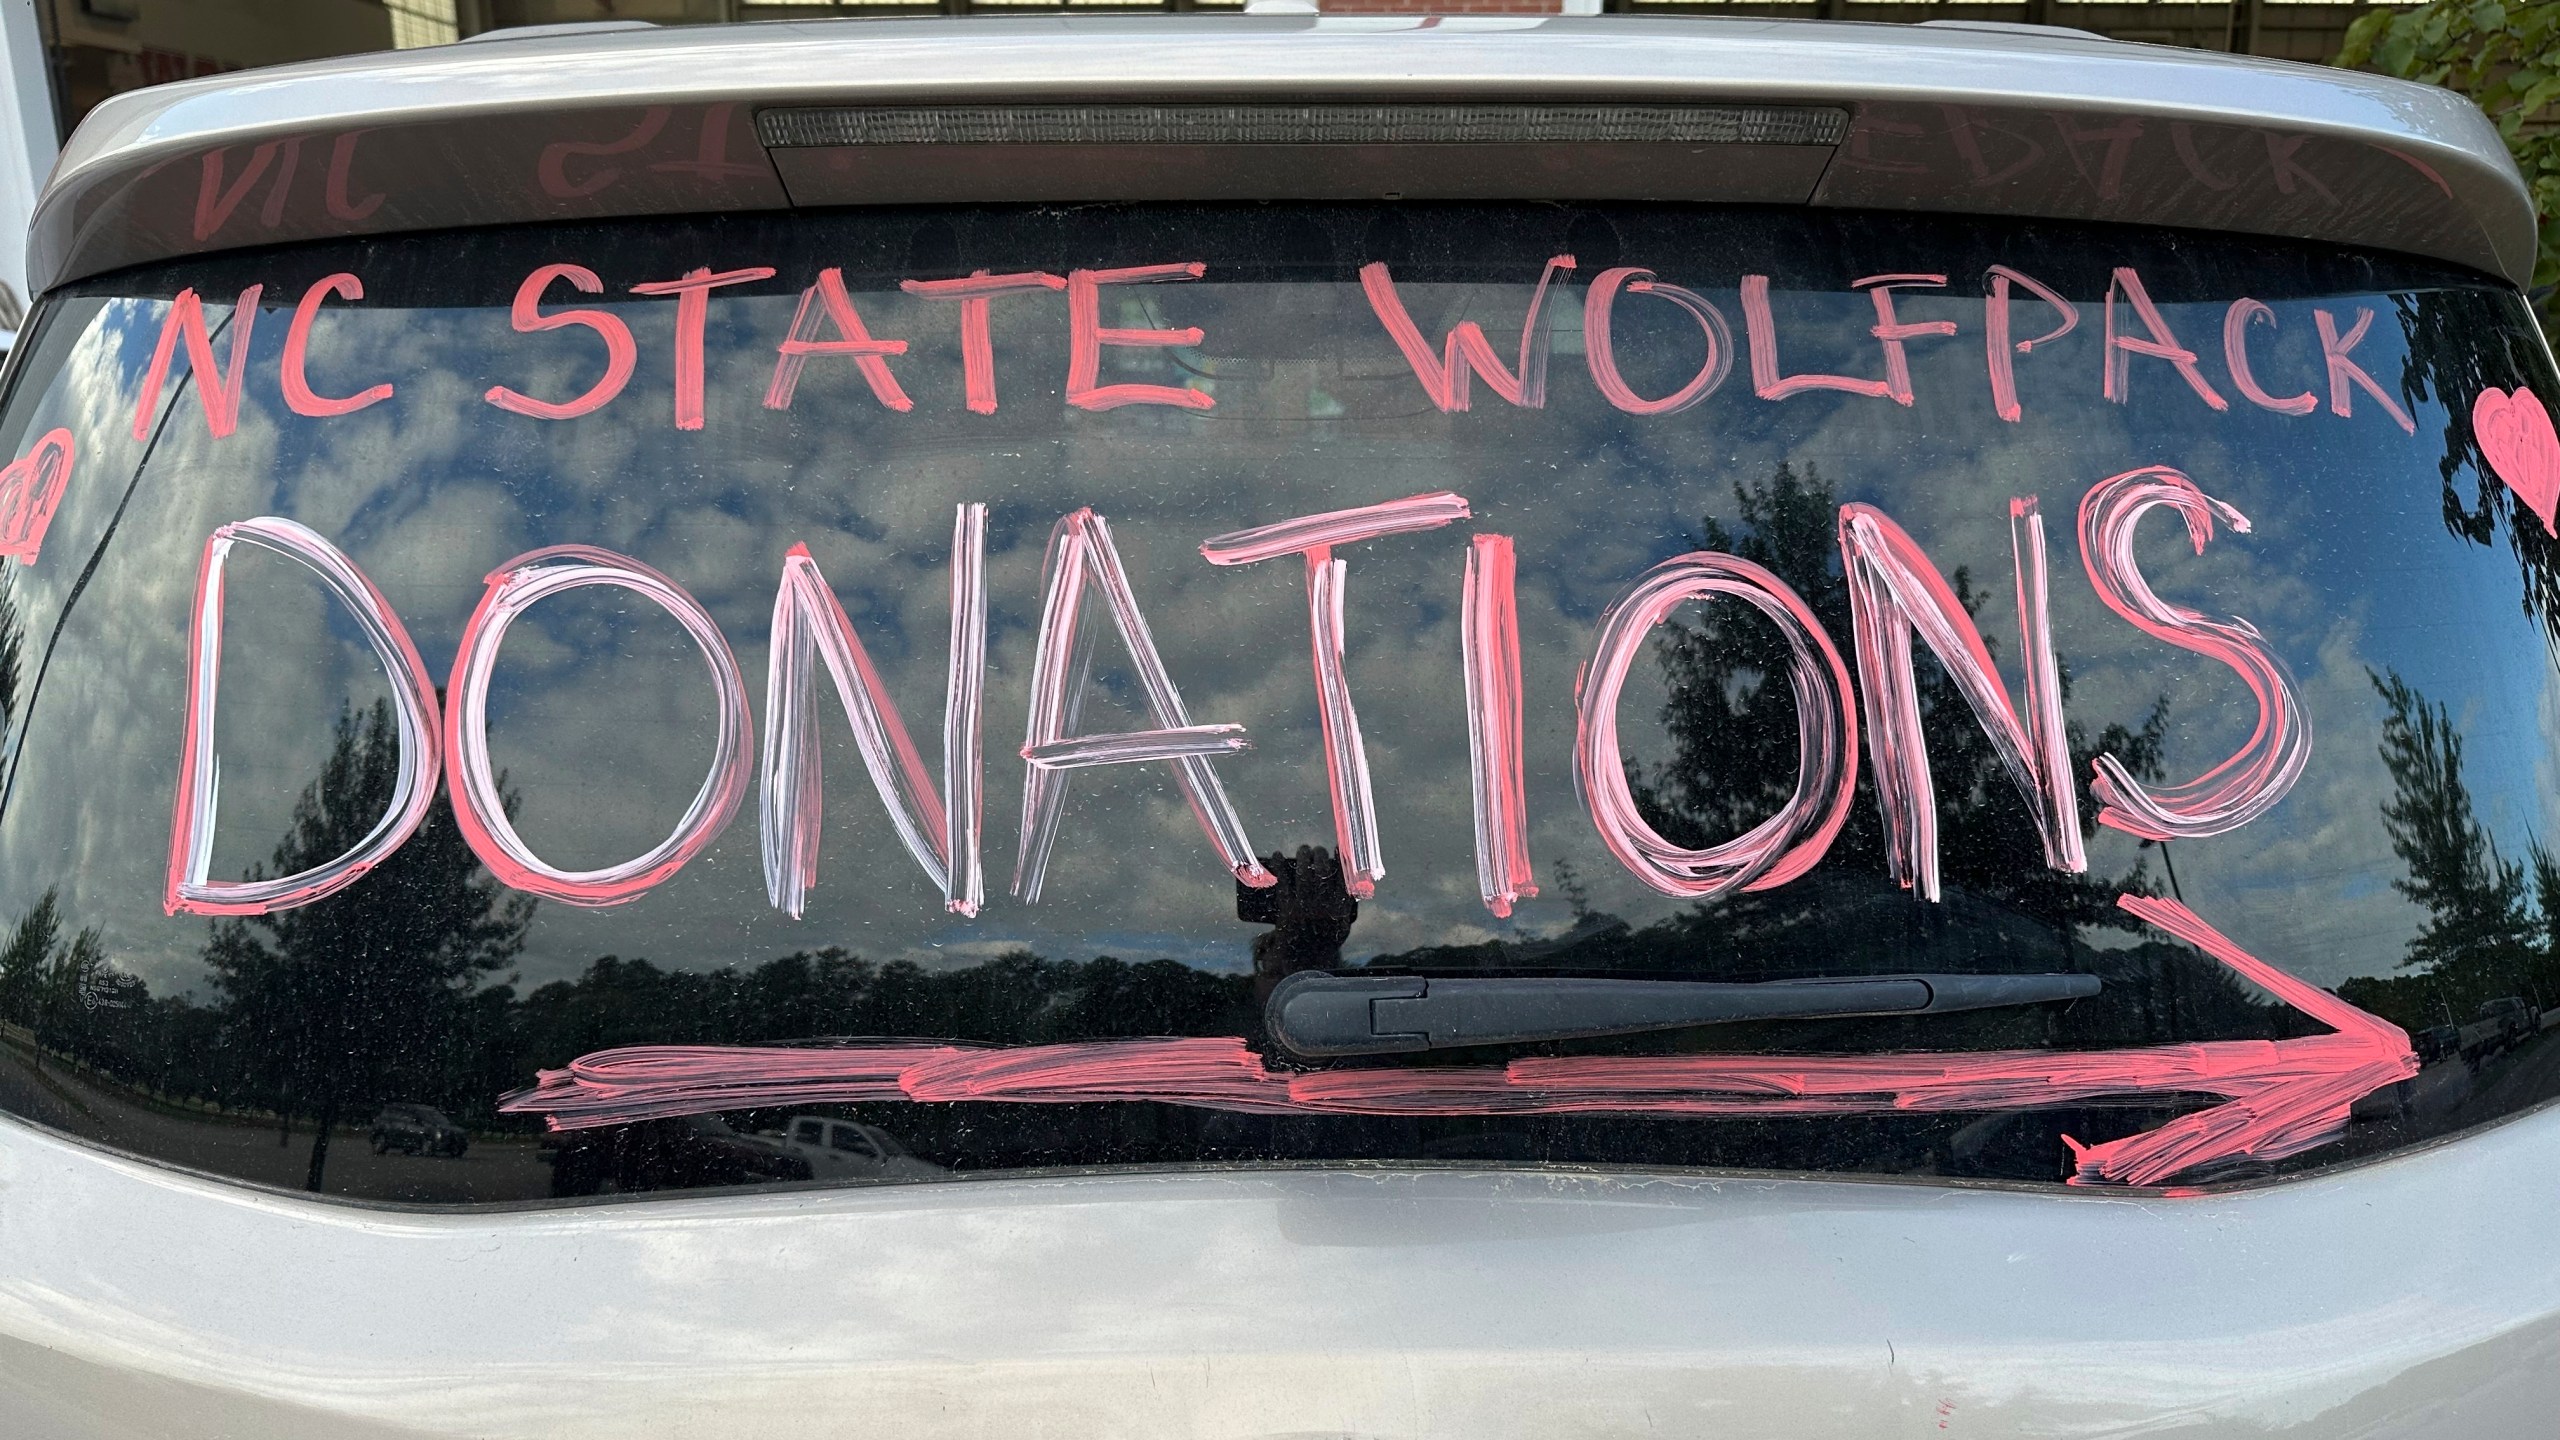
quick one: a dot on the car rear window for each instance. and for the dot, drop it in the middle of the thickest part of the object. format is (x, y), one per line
(1627, 686)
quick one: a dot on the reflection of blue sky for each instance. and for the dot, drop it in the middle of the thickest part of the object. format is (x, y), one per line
(602, 723)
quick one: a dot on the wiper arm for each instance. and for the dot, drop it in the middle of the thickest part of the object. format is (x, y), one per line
(1318, 1014)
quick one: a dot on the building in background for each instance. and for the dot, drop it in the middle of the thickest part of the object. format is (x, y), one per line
(100, 47)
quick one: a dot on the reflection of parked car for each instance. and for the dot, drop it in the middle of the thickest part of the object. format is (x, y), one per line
(2436, 1042)
(417, 1130)
(850, 1150)
(2504, 1024)
(678, 1154)
(2522, 1017)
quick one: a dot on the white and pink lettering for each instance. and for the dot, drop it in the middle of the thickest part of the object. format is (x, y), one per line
(2000, 351)
(1489, 641)
(190, 889)
(1893, 332)
(1769, 379)
(2235, 357)
(478, 809)
(1304, 533)
(1895, 593)
(2256, 776)
(1081, 554)
(1355, 813)
(1599, 348)
(2156, 342)
(1788, 843)
(1465, 352)
(940, 830)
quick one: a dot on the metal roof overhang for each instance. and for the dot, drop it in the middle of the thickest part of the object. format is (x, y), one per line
(1937, 117)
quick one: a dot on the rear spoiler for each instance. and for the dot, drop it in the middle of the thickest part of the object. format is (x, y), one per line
(780, 115)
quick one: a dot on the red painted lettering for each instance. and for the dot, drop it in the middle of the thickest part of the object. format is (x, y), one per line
(298, 394)
(810, 629)
(1962, 124)
(190, 888)
(526, 314)
(1489, 643)
(219, 389)
(1087, 335)
(552, 169)
(271, 214)
(480, 809)
(2119, 138)
(2248, 784)
(827, 302)
(977, 346)
(1776, 850)
(215, 201)
(693, 307)
(2345, 375)
(2182, 138)
(2289, 173)
(1081, 555)
(342, 160)
(1465, 352)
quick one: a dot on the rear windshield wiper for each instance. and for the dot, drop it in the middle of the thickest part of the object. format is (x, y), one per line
(1319, 1014)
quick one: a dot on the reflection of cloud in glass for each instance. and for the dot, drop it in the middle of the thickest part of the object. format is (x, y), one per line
(431, 490)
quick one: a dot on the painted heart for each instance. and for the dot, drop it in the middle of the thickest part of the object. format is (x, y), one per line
(31, 486)
(2515, 433)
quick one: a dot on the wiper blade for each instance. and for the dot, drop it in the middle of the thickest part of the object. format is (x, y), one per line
(1319, 1014)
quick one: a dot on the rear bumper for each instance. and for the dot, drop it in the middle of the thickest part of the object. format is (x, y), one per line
(2415, 1296)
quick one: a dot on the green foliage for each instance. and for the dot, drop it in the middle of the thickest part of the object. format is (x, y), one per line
(2504, 55)
(1731, 719)
(2489, 919)
(57, 987)
(350, 999)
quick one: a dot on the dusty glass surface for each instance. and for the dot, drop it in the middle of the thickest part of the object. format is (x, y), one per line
(2366, 822)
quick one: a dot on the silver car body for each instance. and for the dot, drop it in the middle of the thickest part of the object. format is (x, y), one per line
(140, 1300)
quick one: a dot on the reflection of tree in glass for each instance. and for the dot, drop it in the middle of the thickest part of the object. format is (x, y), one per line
(2481, 934)
(1731, 719)
(1013, 999)
(57, 988)
(2462, 342)
(355, 998)
(25, 965)
(13, 648)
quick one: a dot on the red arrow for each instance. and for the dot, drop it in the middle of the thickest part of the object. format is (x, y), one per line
(2281, 1097)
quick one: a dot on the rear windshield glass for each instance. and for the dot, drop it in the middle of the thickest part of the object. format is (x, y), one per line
(1657, 687)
